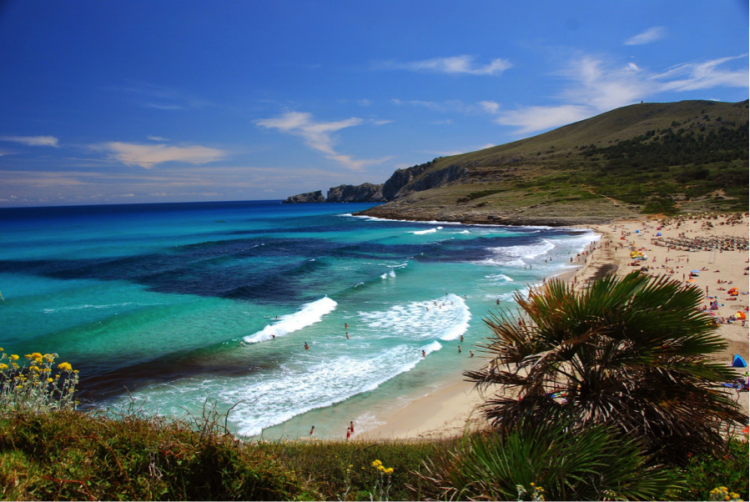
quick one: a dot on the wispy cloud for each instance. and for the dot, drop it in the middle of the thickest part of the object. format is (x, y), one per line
(32, 140)
(157, 138)
(160, 97)
(147, 156)
(456, 65)
(693, 76)
(536, 118)
(648, 36)
(318, 136)
(594, 86)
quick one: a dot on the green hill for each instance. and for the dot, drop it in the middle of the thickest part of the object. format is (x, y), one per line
(647, 158)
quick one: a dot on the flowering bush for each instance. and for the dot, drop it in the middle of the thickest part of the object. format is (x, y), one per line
(36, 385)
(723, 493)
(536, 493)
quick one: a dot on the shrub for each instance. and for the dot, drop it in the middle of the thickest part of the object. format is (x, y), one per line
(554, 459)
(72, 456)
(632, 352)
(39, 387)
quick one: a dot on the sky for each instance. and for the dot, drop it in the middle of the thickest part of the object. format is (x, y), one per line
(105, 102)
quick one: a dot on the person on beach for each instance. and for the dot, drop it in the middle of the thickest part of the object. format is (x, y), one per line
(351, 426)
(471, 353)
(424, 354)
(348, 434)
(312, 430)
(307, 347)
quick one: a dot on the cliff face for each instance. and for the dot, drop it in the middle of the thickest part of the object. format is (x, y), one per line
(306, 197)
(367, 192)
(406, 181)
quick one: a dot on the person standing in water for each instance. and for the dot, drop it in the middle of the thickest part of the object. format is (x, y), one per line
(346, 326)
(424, 354)
(347, 335)
(351, 426)
(459, 349)
(312, 430)
(471, 353)
(307, 347)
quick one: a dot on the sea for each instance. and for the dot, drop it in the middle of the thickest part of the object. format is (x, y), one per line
(167, 307)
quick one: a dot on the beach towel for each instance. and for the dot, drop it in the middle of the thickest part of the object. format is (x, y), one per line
(738, 362)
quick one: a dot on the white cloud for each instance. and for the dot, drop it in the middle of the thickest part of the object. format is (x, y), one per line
(317, 135)
(157, 138)
(32, 140)
(490, 107)
(648, 36)
(456, 65)
(693, 76)
(537, 118)
(147, 156)
(595, 86)
(381, 122)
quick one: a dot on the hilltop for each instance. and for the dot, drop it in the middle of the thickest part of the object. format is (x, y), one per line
(687, 156)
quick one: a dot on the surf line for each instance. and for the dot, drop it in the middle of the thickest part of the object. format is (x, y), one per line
(309, 314)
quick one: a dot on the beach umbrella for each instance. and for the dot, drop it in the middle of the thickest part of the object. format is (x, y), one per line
(695, 271)
(740, 315)
(658, 234)
(691, 280)
(738, 362)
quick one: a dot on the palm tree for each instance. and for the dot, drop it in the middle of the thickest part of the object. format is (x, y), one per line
(631, 352)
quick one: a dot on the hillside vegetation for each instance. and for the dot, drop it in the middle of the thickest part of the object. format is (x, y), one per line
(646, 158)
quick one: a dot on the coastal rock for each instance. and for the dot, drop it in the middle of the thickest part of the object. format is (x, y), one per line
(419, 178)
(306, 197)
(366, 192)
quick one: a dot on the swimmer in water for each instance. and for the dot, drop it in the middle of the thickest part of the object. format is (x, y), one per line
(462, 338)
(471, 353)
(424, 354)
(273, 336)
(459, 349)
(347, 335)
(346, 326)
(307, 347)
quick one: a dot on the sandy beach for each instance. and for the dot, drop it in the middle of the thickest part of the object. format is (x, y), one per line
(675, 252)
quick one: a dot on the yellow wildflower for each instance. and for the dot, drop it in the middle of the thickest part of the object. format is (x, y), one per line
(381, 468)
(3, 366)
(64, 367)
(377, 463)
(50, 380)
(14, 357)
(389, 470)
(33, 368)
(1, 349)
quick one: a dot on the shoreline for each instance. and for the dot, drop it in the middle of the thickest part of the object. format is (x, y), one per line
(449, 410)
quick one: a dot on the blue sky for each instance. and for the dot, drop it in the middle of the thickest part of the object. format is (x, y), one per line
(108, 102)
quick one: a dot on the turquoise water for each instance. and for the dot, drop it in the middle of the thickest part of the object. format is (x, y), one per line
(178, 303)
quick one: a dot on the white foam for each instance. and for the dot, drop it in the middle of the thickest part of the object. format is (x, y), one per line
(289, 392)
(447, 320)
(424, 232)
(528, 251)
(392, 273)
(498, 278)
(465, 232)
(310, 313)
(89, 306)
(384, 276)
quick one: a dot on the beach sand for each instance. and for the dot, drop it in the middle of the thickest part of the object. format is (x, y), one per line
(453, 408)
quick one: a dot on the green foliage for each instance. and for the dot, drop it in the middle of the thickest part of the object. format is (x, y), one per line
(74, 456)
(660, 205)
(631, 352)
(556, 459)
(326, 465)
(721, 468)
